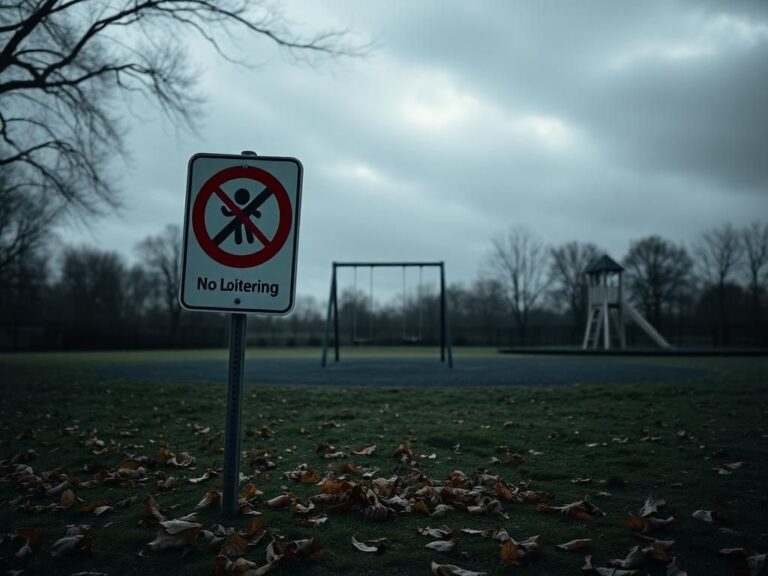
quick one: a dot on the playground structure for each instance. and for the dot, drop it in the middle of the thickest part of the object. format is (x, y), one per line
(361, 336)
(607, 307)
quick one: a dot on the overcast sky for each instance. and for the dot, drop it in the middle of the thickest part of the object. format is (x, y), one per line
(593, 121)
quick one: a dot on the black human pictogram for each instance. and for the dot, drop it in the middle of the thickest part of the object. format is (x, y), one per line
(236, 225)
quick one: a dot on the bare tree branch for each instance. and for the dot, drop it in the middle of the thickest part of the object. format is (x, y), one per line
(65, 63)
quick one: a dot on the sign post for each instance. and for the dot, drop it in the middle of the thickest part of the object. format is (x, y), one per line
(239, 256)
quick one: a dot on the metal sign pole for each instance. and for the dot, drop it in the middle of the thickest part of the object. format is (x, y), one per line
(230, 497)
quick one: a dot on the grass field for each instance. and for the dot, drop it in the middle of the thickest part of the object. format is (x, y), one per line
(673, 441)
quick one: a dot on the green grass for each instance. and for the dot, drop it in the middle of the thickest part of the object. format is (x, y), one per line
(725, 419)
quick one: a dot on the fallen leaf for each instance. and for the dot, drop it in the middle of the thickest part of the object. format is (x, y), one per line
(211, 498)
(580, 510)
(651, 506)
(151, 509)
(708, 516)
(234, 545)
(175, 534)
(67, 499)
(32, 538)
(439, 533)
(101, 510)
(589, 567)
(208, 473)
(440, 511)
(77, 539)
(578, 544)
(369, 545)
(631, 561)
(441, 545)
(509, 553)
(451, 570)
(367, 451)
(515, 459)
(421, 507)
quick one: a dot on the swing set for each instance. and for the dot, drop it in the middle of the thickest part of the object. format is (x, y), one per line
(410, 334)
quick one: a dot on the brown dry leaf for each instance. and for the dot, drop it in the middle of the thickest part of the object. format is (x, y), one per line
(451, 570)
(369, 545)
(255, 526)
(249, 491)
(32, 538)
(649, 523)
(310, 477)
(349, 468)
(504, 493)
(303, 549)
(67, 499)
(441, 545)
(515, 459)
(509, 553)
(404, 449)
(151, 509)
(282, 501)
(211, 498)
(175, 534)
(234, 545)
(367, 451)
(578, 544)
(421, 507)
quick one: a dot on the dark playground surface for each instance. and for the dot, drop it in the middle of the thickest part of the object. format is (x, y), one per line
(417, 372)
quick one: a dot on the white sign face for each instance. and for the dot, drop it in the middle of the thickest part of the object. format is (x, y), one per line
(241, 233)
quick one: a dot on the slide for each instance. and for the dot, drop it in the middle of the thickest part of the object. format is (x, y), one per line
(645, 325)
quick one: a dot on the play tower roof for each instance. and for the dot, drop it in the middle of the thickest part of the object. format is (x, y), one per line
(604, 264)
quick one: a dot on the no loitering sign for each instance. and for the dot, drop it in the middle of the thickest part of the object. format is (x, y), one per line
(241, 233)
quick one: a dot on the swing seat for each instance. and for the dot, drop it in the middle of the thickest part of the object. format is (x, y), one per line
(411, 339)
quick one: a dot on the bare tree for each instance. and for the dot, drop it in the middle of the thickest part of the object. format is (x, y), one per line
(657, 272)
(567, 266)
(755, 240)
(91, 297)
(519, 261)
(718, 253)
(161, 255)
(65, 65)
(24, 222)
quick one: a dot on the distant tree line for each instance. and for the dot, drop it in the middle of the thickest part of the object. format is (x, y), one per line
(711, 293)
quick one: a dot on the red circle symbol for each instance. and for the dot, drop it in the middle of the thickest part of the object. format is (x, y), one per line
(241, 216)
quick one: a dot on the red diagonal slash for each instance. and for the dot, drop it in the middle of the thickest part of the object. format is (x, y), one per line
(241, 216)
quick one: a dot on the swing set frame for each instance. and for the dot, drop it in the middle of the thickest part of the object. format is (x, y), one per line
(332, 316)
